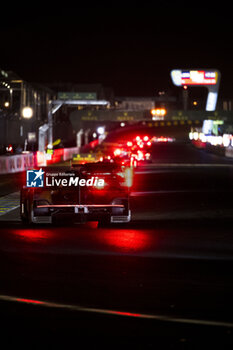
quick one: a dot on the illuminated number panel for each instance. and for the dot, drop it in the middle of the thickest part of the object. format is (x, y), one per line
(195, 77)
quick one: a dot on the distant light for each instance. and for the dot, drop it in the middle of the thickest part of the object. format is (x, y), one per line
(6, 104)
(9, 148)
(146, 138)
(140, 155)
(211, 101)
(202, 137)
(207, 126)
(219, 140)
(100, 130)
(158, 111)
(27, 112)
(153, 111)
(94, 135)
(163, 111)
(161, 93)
(122, 125)
(117, 152)
(226, 140)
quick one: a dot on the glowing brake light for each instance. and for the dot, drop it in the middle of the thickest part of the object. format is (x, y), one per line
(146, 138)
(138, 138)
(99, 186)
(133, 160)
(117, 152)
(148, 143)
(129, 144)
(140, 155)
(162, 139)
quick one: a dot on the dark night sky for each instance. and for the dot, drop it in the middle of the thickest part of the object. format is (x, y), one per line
(131, 49)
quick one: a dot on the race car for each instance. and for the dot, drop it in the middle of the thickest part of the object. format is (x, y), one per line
(90, 192)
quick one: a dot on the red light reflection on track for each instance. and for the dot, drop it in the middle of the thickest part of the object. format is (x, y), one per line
(44, 234)
(126, 240)
(92, 224)
(30, 301)
(32, 234)
(121, 313)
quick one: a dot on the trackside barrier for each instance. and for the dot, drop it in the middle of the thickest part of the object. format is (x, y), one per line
(58, 155)
(69, 152)
(224, 151)
(16, 163)
(22, 162)
(229, 152)
(90, 146)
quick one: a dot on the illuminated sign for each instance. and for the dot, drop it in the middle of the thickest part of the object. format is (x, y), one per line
(194, 77)
(197, 77)
(210, 78)
(77, 95)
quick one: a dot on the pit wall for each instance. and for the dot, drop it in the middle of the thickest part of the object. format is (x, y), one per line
(21, 162)
(222, 145)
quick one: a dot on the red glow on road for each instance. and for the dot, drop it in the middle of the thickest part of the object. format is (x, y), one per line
(32, 234)
(126, 240)
(92, 224)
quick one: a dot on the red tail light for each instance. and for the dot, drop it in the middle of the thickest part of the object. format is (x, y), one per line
(99, 186)
(117, 152)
